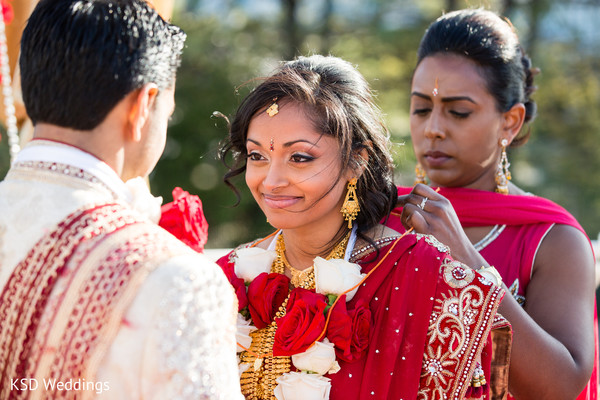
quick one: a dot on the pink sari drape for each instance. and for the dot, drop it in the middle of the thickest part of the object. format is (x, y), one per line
(483, 208)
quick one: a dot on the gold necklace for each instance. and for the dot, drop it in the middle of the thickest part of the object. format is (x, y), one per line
(304, 278)
(260, 379)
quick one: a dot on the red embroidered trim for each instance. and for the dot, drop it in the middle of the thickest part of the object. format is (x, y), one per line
(28, 309)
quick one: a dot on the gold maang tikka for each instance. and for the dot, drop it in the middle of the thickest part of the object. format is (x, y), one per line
(273, 109)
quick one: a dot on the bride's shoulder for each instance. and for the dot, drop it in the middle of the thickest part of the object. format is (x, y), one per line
(381, 232)
(379, 236)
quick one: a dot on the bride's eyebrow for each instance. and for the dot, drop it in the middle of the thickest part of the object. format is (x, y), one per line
(288, 144)
(256, 142)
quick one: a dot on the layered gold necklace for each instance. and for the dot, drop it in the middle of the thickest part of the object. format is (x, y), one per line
(304, 278)
(260, 379)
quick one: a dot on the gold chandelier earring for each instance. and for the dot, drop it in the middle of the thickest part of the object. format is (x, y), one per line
(502, 172)
(350, 208)
(420, 176)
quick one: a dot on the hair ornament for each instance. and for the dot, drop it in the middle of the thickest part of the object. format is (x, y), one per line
(273, 109)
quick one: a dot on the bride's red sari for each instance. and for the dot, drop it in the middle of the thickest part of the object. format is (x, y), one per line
(431, 319)
(525, 221)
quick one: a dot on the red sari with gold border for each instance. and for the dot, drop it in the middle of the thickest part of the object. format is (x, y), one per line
(527, 220)
(431, 319)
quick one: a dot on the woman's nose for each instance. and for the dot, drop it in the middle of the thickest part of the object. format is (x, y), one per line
(434, 127)
(275, 177)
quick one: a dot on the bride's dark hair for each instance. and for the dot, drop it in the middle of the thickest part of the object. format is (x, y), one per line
(337, 98)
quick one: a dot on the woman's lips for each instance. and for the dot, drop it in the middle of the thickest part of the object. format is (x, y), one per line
(436, 158)
(280, 201)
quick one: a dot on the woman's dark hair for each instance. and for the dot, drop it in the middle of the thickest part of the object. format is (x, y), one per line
(336, 97)
(491, 42)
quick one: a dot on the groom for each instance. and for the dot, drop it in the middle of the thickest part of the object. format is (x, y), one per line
(95, 297)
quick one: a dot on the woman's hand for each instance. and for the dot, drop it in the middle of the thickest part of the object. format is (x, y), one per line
(428, 212)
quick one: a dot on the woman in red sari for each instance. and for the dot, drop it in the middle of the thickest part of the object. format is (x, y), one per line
(334, 305)
(469, 99)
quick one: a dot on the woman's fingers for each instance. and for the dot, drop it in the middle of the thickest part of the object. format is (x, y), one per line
(415, 212)
(426, 191)
(416, 200)
(417, 221)
(402, 200)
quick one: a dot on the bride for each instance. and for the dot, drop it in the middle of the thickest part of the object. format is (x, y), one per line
(334, 305)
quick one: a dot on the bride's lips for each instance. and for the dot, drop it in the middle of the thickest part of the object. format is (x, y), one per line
(436, 158)
(280, 201)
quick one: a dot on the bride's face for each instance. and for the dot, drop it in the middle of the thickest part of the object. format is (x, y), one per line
(293, 171)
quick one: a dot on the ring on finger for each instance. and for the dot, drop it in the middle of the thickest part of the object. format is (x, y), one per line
(422, 205)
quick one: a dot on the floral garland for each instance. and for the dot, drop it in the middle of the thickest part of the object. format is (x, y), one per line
(313, 327)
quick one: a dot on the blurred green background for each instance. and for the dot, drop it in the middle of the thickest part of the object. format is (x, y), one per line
(230, 42)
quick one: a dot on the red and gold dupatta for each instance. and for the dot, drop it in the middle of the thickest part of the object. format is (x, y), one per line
(431, 320)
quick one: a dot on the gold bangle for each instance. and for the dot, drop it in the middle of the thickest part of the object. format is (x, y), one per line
(491, 273)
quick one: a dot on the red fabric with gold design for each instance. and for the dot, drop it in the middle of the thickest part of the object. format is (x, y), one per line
(431, 319)
(528, 219)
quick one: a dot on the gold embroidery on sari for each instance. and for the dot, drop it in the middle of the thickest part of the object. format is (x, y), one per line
(456, 333)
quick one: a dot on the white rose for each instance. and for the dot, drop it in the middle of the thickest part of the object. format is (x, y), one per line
(142, 200)
(302, 386)
(335, 276)
(242, 333)
(253, 261)
(319, 358)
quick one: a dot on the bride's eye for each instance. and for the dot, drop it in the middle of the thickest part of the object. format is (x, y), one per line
(255, 156)
(301, 158)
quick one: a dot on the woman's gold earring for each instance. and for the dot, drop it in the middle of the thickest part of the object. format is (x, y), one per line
(350, 208)
(420, 176)
(502, 172)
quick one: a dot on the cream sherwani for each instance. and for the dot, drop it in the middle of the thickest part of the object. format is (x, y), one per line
(176, 339)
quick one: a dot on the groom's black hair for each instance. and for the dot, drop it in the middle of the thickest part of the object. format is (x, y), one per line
(79, 58)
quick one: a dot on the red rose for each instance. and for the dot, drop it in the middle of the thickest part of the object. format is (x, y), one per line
(339, 329)
(184, 219)
(361, 328)
(266, 293)
(238, 283)
(302, 324)
(7, 14)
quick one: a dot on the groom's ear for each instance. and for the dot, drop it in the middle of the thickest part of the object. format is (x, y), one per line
(142, 102)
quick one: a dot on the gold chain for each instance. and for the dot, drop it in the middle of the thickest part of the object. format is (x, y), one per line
(304, 278)
(260, 379)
